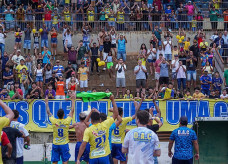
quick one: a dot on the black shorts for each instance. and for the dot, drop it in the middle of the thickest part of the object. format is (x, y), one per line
(177, 161)
(113, 45)
(141, 83)
(164, 80)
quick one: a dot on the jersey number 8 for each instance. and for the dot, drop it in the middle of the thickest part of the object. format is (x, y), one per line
(60, 132)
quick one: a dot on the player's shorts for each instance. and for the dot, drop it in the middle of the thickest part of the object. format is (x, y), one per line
(117, 152)
(85, 155)
(19, 160)
(101, 160)
(62, 151)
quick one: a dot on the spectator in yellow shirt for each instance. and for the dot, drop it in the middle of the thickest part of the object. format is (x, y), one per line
(83, 77)
(187, 45)
(198, 95)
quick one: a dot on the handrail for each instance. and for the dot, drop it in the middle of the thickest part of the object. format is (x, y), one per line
(219, 64)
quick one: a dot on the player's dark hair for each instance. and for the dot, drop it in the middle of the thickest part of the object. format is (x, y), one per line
(82, 118)
(60, 113)
(120, 110)
(103, 117)
(95, 117)
(143, 117)
(16, 114)
(147, 110)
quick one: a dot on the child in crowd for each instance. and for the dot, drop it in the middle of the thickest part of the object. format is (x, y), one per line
(224, 95)
(39, 76)
(109, 61)
(217, 82)
(128, 94)
(179, 95)
(197, 94)
(39, 59)
(86, 59)
(50, 93)
(204, 58)
(194, 22)
(169, 92)
(187, 95)
(213, 95)
(187, 45)
(18, 34)
(175, 51)
(210, 57)
(209, 68)
(36, 44)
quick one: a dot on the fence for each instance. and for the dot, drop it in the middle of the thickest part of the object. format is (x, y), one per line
(119, 25)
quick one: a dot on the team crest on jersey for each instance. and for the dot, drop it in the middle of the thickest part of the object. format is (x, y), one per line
(101, 132)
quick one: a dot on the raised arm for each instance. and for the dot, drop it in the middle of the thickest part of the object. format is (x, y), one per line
(73, 106)
(47, 107)
(7, 110)
(115, 109)
(137, 106)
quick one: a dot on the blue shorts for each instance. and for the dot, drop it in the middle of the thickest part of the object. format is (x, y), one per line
(168, 56)
(54, 40)
(191, 75)
(101, 48)
(44, 42)
(101, 160)
(39, 78)
(18, 40)
(19, 160)
(62, 151)
(85, 155)
(178, 161)
(111, 24)
(151, 60)
(27, 44)
(117, 152)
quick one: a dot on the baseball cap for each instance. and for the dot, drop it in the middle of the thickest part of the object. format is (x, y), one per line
(205, 70)
(72, 73)
(69, 62)
(184, 120)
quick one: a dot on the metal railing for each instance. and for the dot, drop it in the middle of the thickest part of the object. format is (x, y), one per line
(119, 25)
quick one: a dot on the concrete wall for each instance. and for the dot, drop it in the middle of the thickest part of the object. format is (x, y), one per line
(135, 39)
(37, 153)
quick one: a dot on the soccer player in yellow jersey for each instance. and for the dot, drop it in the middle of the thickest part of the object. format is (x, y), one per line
(4, 121)
(97, 135)
(118, 135)
(60, 127)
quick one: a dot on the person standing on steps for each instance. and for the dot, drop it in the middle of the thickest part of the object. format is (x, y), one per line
(121, 51)
(120, 77)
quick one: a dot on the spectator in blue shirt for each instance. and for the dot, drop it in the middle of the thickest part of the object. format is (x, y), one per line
(219, 41)
(5, 59)
(184, 138)
(121, 51)
(7, 76)
(58, 69)
(46, 56)
(217, 82)
(44, 37)
(4, 94)
(205, 81)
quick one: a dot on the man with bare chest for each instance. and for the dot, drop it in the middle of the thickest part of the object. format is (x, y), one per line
(79, 130)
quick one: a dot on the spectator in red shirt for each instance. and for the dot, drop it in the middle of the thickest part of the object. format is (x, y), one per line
(5, 142)
(18, 92)
(47, 17)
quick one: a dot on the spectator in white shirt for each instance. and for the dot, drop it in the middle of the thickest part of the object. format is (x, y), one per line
(2, 42)
(120, 77)
(17, 58)
(167, 46)
(181, 76)
(224, 94)
(159, 51)
(175, 66)
(152, 54)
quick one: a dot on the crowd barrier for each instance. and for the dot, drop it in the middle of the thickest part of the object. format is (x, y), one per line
(34, 115)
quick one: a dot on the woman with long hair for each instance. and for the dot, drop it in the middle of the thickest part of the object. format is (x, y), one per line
(54, 41)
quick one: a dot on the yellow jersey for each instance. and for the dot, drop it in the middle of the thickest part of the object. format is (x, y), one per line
(67, 16)
(111, 18)
(120, 17)
(90, 15)
(186, 45)
(97, 135)
(60, 130)
(194, 23)
(4, 121)
(107, 11)
(169, 93)
(19, 69)
(118, 134)
(55, 19)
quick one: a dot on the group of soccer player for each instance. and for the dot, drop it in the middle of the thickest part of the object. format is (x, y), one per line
(101, 139)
